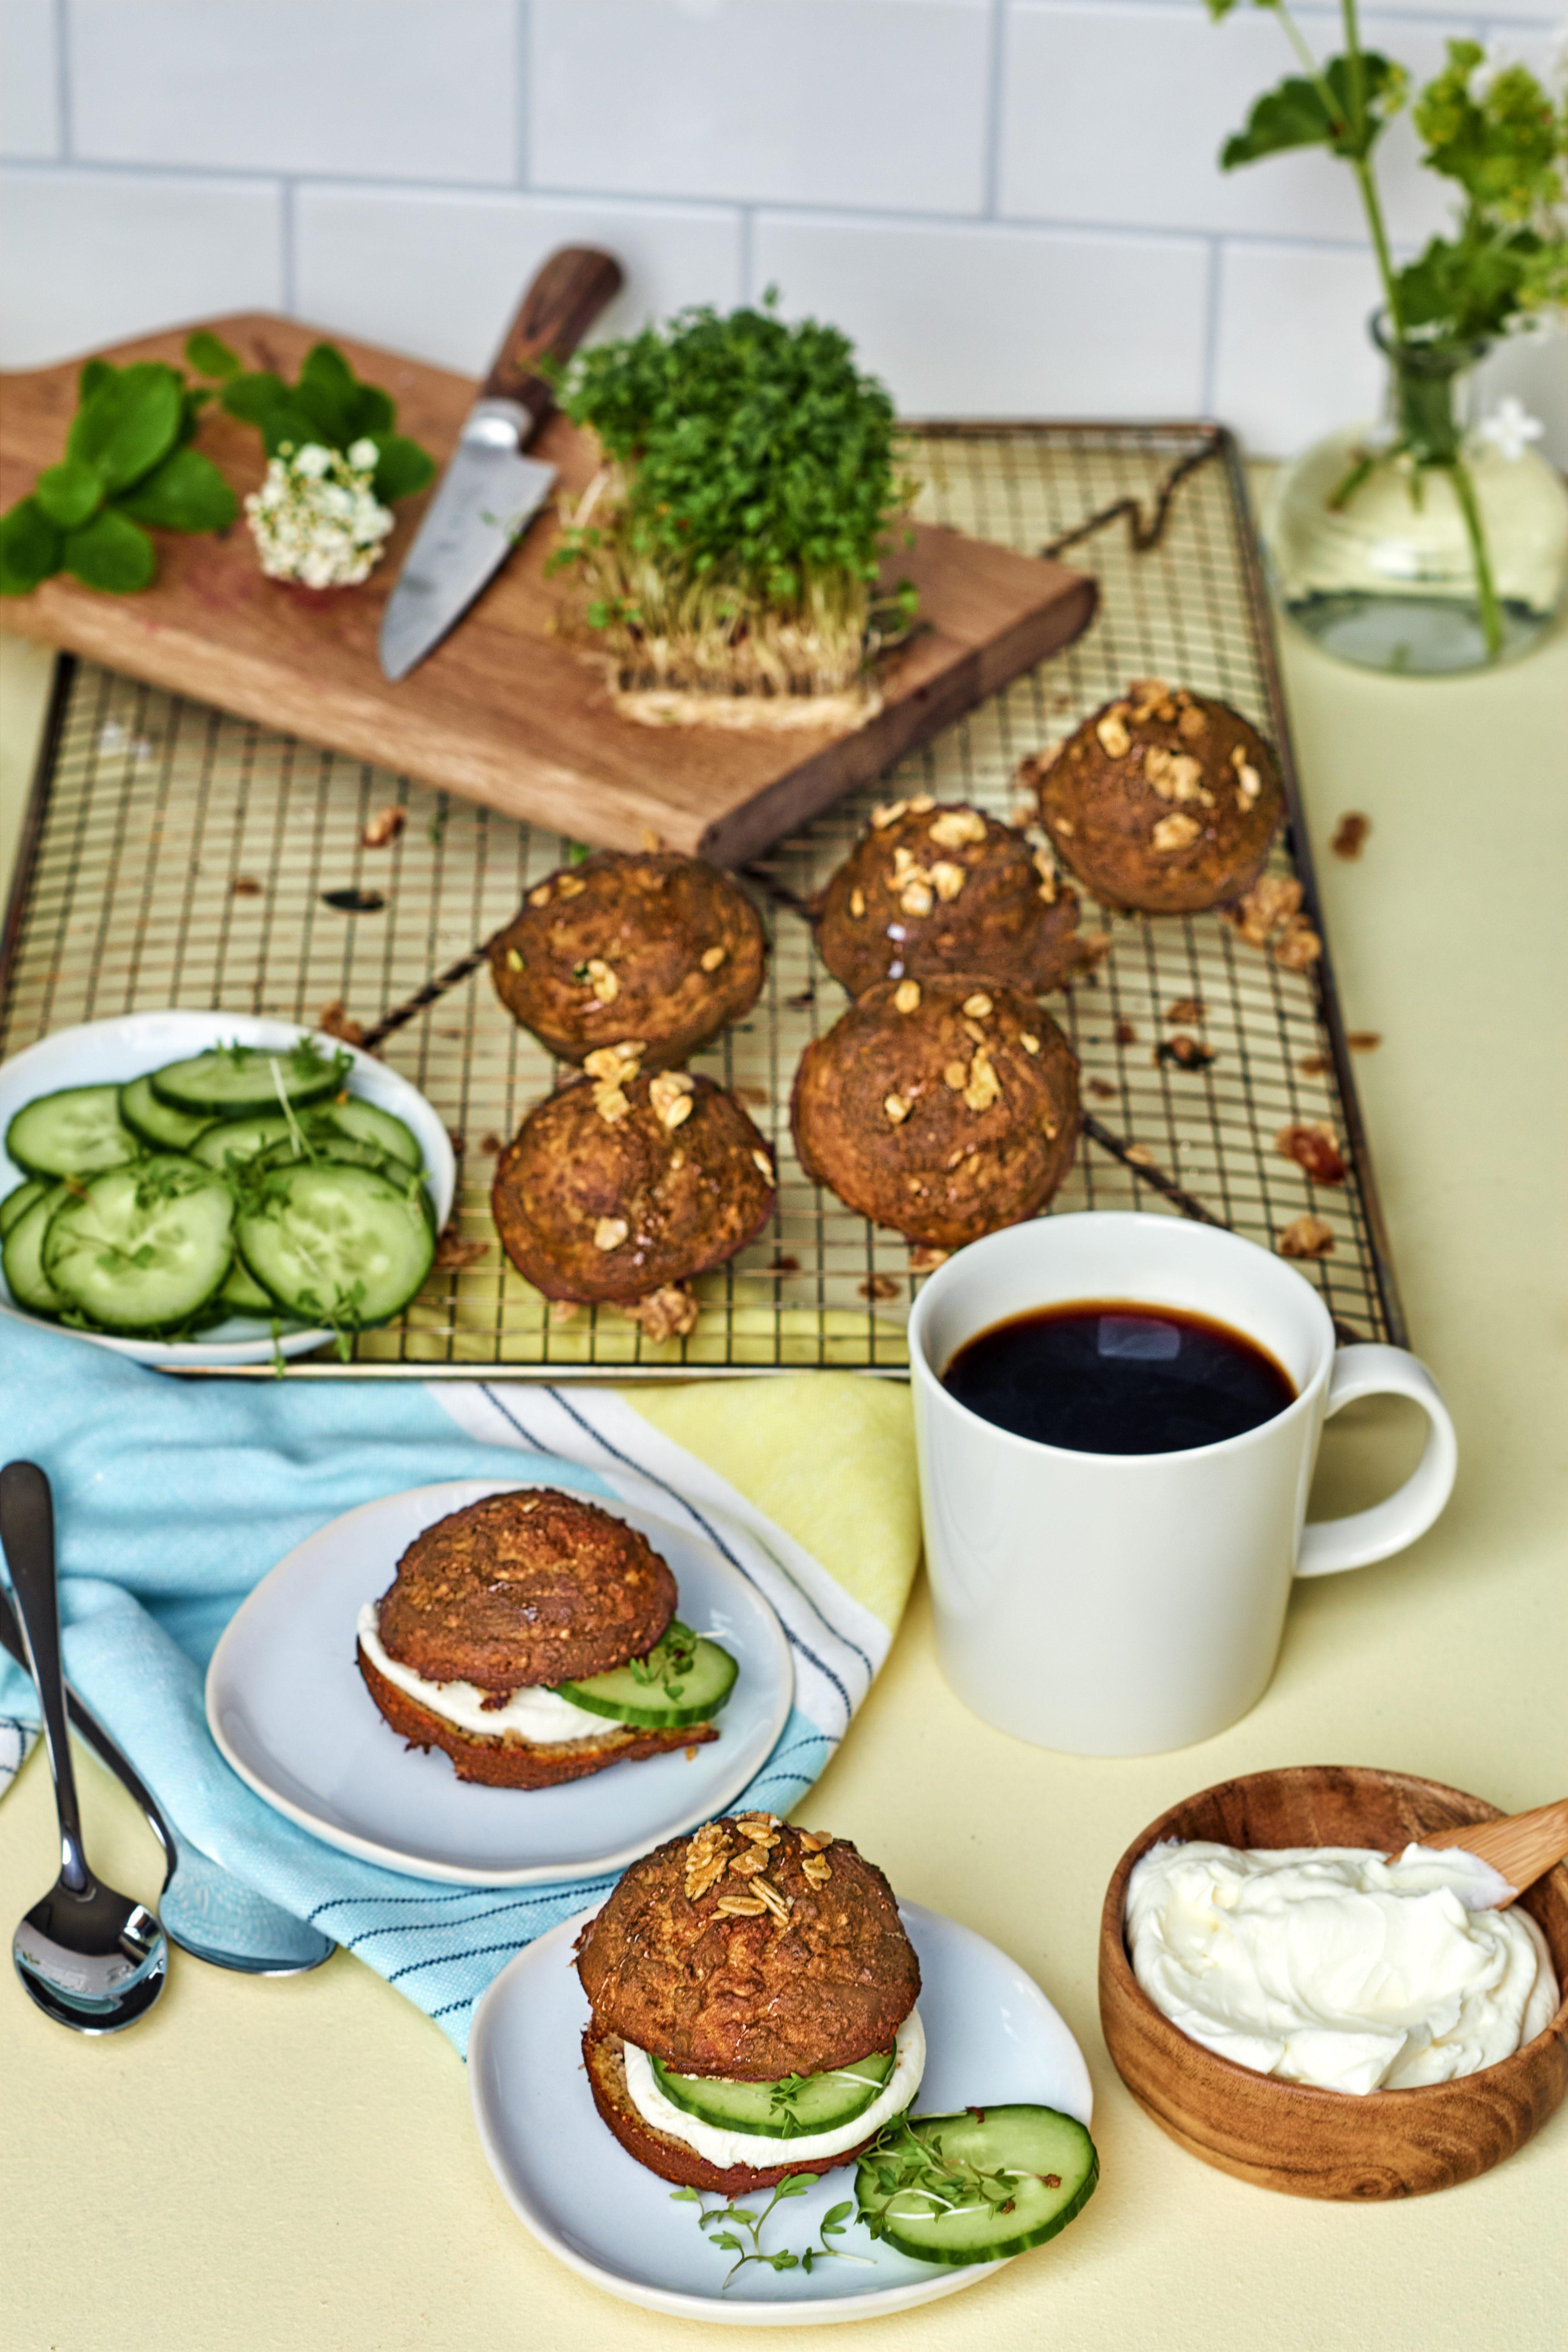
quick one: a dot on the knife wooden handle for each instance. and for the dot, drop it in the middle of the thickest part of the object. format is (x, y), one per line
(552, 319)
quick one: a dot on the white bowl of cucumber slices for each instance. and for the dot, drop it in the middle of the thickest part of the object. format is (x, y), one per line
(210, 1189)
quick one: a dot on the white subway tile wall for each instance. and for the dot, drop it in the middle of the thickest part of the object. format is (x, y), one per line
(1070, 324)
(433, 271)
(89, 258)
(1013, 205)
(30, 79)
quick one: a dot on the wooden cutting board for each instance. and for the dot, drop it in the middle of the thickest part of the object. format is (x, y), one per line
(505, 711)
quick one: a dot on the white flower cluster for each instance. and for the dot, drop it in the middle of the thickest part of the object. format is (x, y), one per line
(315, 518)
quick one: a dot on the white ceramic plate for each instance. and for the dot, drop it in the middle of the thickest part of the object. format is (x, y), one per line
(289, 1712)
(991, 2036)
(125, 1048)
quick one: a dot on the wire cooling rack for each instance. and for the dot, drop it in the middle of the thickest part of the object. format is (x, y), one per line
(175, 855)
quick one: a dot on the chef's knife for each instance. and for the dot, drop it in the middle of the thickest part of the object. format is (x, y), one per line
(491, 492)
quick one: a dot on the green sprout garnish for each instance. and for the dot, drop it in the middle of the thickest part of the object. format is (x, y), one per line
(835, 2221)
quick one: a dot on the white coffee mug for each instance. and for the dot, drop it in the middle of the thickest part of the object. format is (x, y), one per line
(1118, 1604)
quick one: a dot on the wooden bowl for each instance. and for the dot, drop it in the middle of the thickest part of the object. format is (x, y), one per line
(1287, 2136)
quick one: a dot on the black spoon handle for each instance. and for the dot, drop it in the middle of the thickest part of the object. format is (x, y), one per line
(27, 1534)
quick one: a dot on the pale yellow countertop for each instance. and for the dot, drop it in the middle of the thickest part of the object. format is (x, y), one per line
(291, 2168)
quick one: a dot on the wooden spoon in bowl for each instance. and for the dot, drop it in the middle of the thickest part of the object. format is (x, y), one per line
(1520, 1848)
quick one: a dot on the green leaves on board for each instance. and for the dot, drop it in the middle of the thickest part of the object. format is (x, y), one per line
(128, 466)
(328, 405)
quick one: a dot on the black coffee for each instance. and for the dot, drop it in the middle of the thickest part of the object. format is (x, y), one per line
(1108, 1376)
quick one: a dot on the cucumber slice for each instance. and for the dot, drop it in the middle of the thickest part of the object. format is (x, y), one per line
(165, 1129)
(71, 1133)
(242, 1295)
(348, 1246)
(684, 1678)
(314, 1135)
(786, 2110)
(231, 1142)
(975, 2187)
(18, 1201)
(22, 1256)
(142, 1249)
(369, 1124)
(232, 1081)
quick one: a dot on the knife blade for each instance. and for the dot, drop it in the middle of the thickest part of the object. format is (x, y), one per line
(491, 492)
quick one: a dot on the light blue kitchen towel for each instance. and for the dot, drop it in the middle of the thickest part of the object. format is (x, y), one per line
(173, 1498)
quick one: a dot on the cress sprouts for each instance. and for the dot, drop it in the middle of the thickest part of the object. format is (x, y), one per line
(732, 540)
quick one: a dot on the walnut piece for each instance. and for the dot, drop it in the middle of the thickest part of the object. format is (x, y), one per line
(1114, 739)
(984, 1087)
(896, 1110)
(383, 826)
(1174, 832)
(1175, 775)
(667, 1314)
(670, 1096)
(711, 958)
(602, 980)
(1314, 1147)
(1301, 946)
(947, 879)
(1267, 905)
(453, 1250)
(338, 1023)
(877, 1286)
(609, 1232)
(953, 828)
(764, 1166)
(612, 1069)
(916, 898)
(1306, 1237)
(1183, 1052)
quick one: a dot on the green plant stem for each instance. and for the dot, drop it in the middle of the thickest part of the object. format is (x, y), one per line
(1349, 482)
(1298, 42)
(1486, 590)
(1361, 166)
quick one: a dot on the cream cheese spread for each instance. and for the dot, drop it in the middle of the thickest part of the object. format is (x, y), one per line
(533, 1713)
(1332, 1965)
(761, 2149)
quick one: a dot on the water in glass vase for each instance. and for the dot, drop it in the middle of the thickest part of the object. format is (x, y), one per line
(1420, 546)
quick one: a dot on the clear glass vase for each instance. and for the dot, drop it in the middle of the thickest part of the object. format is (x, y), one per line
(1420, 545)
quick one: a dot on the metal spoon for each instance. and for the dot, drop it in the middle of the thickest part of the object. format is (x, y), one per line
(89, 1958)
(204, 1907)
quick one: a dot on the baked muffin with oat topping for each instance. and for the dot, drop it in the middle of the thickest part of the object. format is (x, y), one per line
(942, 1107)
(932, 888)
(652, 945)
(1164, 800)
(749, 1953)
(625, 1183)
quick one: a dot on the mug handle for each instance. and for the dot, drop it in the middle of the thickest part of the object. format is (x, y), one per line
(1330, 1545)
